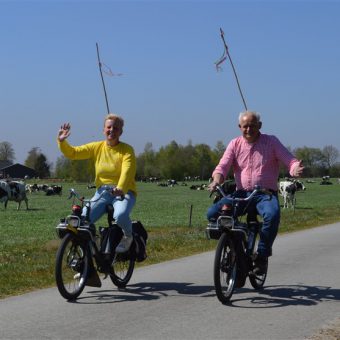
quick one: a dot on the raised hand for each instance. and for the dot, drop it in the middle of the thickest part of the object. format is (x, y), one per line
(64, 131)
(298, 170)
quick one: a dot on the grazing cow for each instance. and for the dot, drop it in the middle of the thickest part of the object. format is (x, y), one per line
(326, 180)
(3, 193)
(13, 191)
(42, 187)
(198, 187)
(54, 190)
(288, 190)
(171, 182)
(299, 185)
(32, 188)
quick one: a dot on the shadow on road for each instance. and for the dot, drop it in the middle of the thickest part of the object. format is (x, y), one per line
(269, 297)
(146, 291)
(282, 296)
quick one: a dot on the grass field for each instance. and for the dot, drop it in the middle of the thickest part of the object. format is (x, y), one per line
(28, 240)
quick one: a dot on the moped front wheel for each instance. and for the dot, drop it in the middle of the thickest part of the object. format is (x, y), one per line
(225, 268)
(72, 267)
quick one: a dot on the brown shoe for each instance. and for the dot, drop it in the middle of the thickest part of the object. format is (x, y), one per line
(261, 265)
(93, 280)
(240, 281)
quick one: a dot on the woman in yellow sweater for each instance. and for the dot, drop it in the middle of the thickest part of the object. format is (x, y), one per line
(115, 164)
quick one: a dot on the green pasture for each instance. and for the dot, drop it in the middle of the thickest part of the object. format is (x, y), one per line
(28, 240)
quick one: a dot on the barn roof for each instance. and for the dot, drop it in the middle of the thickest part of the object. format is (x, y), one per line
(5, 164)
(17, 171)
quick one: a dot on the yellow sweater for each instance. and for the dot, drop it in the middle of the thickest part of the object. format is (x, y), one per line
(113, 164)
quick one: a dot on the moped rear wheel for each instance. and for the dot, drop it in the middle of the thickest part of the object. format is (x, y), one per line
(121, 269)
(225, 268)
(72, 267)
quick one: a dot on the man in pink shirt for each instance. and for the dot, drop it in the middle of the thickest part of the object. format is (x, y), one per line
(255, 159)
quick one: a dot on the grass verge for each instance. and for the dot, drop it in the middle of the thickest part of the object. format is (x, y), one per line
(29, 243)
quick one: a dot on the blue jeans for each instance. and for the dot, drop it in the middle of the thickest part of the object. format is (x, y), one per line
(122, 209)
(267, 207)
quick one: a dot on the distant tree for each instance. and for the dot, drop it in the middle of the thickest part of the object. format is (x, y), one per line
(170, 160)
(140, 162)
(42, 167)
(331, 155)
(32, 157)
(203, 161)
(188, 160)
(335, 170)
(62, 168)
(38, 161)
(82, 170)
(175, 161)
(313, 160)
(150, 167)
(6, 152)
(218, 152)
(146, 163)
(310, 156)
(79, 170)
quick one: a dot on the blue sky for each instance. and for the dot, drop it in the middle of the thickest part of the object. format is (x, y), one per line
(286, 54)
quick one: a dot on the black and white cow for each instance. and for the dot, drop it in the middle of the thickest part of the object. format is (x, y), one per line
(54, 190)
(3, 193)
(32, 188)
(288, 189)
(13, 191)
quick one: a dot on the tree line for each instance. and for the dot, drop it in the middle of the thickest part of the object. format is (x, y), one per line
(173, 161)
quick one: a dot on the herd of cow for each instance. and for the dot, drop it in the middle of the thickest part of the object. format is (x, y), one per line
(287, 189)
(16, 191)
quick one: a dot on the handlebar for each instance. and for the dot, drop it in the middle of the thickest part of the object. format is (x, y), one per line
(106, 187)
(256, 190)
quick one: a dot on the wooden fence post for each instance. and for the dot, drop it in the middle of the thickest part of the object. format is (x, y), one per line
(190, 215)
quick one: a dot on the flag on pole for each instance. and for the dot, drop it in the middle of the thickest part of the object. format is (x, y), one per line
(107, 70)
(221, 60)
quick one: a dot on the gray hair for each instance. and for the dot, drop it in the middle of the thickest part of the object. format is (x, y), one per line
(249, 113)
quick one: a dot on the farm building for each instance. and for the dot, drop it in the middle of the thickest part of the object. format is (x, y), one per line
(15, 170)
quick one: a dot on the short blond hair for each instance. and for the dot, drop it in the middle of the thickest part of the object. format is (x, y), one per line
(113, 116)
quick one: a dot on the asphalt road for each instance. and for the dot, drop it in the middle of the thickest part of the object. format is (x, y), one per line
(176, 300)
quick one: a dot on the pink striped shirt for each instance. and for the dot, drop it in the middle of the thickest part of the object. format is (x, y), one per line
(255, 163)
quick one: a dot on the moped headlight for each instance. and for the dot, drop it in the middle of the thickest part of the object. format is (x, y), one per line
(226, 221)
(73, 222)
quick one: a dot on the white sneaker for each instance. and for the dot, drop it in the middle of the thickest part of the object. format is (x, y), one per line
(124, 244)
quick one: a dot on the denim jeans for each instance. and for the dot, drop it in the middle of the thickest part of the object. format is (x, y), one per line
(268, 208)
(122, 208)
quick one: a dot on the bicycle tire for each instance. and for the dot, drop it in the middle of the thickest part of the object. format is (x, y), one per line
(72, 267)
(225, 268)
(257, 281)
(121, 269)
